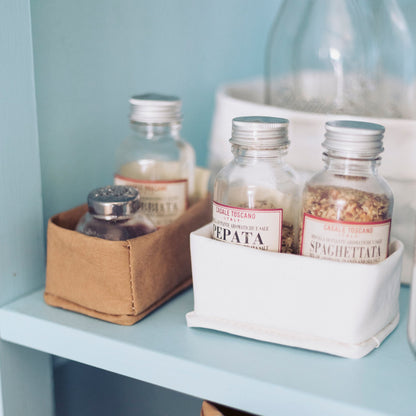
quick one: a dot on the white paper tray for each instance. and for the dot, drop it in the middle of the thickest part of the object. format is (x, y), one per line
(306, 133)
(339, 308)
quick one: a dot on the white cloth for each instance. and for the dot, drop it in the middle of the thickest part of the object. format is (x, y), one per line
(339, 308)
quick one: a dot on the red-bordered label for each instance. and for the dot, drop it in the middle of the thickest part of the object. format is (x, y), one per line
(354, 242)
(163, 201)
(256, 228)
(131, 180)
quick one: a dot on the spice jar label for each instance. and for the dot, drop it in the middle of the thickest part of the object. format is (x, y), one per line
(161, 201)
(353, 242)
(256, 228)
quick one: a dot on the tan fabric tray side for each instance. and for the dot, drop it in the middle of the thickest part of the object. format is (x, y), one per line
(86, 270)
(119, 281)
(213, 409)
(162, 261)
(116, 319)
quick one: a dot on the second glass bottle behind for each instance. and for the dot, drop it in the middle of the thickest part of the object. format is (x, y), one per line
(155, 159)
(256, 196)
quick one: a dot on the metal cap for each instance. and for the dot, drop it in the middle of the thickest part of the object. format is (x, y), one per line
(113, 202)
(155, 108)
(355, 139)
(264, 132)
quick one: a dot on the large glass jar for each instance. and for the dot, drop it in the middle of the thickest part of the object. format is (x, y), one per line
(347, 207)
(113, 214)
(155, 159)
(256, 196)
(353, 57)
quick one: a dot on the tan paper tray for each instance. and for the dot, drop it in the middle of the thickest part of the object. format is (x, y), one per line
(119, 281)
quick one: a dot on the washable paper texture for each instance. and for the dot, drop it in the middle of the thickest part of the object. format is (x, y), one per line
(119, 281)
(212, 409)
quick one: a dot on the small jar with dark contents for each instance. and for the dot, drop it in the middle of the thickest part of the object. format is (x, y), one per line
(113, 214)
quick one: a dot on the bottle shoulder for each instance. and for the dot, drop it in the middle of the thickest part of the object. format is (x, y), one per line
(141, 142)
(257, 174)
(136, 148)
(257, 187)
(166, 158)
(374, 183)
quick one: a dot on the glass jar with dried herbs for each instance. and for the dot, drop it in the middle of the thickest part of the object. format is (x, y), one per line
(347, 207)
(256, 196)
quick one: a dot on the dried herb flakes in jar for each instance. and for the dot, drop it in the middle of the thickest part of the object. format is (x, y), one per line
(347, 207)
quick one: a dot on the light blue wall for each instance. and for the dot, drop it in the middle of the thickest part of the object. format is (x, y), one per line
(22, 254)
(21, 234)
(91, 55)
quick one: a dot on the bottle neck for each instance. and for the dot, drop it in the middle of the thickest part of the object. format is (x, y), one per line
(251, 155)
(349, 166)
(156, 131)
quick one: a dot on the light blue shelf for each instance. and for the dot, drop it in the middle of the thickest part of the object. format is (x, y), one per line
(261, 378)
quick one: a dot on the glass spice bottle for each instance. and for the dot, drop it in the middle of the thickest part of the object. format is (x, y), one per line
(113, 214)
(155, 159)
(351, 57)
(347, 207)
(256, 196)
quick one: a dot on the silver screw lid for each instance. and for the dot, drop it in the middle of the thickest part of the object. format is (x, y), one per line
(155, 108)
(113, 202)
(260, 131)
(355, 139)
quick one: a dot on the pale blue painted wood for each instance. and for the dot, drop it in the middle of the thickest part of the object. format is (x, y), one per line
(77, 387)
(26, 381)
(25, 374)
(22, 256)
(91, 56)
(259, 377)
